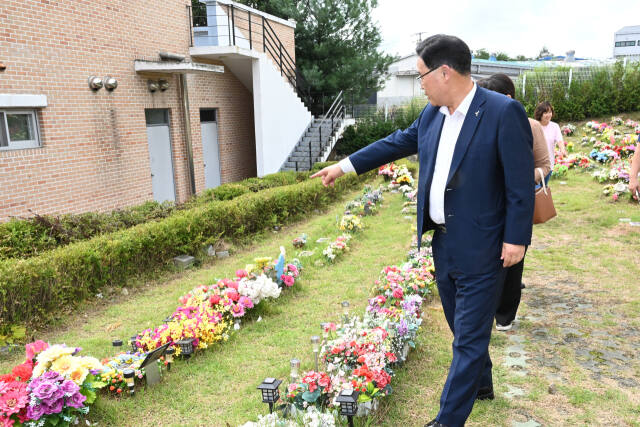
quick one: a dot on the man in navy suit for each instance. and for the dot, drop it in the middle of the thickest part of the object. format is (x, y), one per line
(476, 190)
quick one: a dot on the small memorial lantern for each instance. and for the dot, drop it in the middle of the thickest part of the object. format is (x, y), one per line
(295, 368)
(129, 377)
(348, 400)
(132, 342)
(168, 356)
(345, 310)
(270, 392)
(315, 343)
(186, 347)
(325, 333)
(116, 343)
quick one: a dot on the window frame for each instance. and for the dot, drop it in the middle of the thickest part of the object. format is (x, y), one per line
(25, 144)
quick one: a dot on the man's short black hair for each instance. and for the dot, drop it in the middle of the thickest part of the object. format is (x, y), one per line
(500, 83)
(442, 49)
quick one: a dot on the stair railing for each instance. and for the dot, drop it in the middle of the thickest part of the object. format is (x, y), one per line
(336, 110)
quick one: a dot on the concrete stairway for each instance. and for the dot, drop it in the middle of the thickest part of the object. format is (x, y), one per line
(319, 143)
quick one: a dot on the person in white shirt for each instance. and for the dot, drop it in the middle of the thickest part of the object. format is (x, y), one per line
(476, 191)
(543, 114)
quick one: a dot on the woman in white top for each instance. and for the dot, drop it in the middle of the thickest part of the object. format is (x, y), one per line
(543, 114)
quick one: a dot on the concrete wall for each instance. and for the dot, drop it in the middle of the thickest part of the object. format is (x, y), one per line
(280, 116)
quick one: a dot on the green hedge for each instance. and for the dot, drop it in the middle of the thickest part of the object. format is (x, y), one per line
(31, 289)
(594, 92)
(369, 130)
(25, 238)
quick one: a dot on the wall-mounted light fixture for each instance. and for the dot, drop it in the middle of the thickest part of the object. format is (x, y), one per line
(152, 85)
(2, 66)
(163, 84)
(110, 83)
(95, 83)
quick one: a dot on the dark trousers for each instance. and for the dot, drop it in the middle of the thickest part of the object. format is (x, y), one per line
(511, 293)
(469, 302)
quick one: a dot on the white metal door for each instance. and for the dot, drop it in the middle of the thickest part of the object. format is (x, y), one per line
(158, 137)
(210, 152)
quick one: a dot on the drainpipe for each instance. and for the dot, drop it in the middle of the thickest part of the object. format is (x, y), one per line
(187, 131)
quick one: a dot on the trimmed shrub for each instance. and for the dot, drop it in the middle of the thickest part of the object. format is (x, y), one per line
(31, 289)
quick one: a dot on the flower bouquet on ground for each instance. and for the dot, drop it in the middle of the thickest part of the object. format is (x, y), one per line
(337, 247)
(300, 241)
(388, 171)
(112, 372)
(350, 223)
(616, 191)
(52, 387)
(568, 129)
(313, 389)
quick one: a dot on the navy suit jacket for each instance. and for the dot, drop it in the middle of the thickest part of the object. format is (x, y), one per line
(489, 196)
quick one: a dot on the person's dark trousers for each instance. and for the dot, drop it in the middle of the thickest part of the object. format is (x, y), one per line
(511, 293)
(469, 302)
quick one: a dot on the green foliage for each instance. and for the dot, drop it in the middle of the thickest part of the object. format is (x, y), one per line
(370, 130)
(596, 92)
(481, 54)
(33, 288)
(30, 237)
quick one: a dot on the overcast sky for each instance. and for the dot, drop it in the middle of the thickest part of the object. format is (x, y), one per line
(512, 26)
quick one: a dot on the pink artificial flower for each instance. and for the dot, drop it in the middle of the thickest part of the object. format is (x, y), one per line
(245, 302)
(233, 295)
(241, 273)
(615, 197)
(292, 268)
(12, 401)
(293, 387)
(232, 284)
(288, 280)
(397, 293)
(183, 300)
(237, 310)
(5, 421)
(32, 349)
(214, 299)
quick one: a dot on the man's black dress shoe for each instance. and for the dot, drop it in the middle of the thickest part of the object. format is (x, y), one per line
(485, 393)
(434, 423)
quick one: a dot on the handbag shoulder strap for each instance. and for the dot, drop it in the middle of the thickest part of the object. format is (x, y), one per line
(544, 185)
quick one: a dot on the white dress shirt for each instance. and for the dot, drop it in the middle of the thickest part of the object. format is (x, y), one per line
(448, 138)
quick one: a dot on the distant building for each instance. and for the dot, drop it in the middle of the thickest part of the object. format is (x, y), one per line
(627, 43)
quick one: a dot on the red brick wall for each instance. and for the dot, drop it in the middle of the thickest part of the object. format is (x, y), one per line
(94, 153)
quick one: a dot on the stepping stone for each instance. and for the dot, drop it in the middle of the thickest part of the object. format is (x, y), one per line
(222, 254)
(540, 334)
(627, 382)
(306, 253)
(517, 339)
(516, 351)
(514, 392)
(530, 423)
(554, 377)
(520, 361)
(322, 240)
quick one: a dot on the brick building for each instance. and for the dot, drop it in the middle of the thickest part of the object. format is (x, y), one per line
(65, 147)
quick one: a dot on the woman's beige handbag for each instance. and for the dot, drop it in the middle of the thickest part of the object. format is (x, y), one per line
(544, 209)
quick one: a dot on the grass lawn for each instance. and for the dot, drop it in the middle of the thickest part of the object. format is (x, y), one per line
(579, 327)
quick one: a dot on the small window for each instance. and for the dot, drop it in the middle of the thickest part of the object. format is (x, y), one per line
(618, 44)
(207, 115)
(157, 116)
(18, 129)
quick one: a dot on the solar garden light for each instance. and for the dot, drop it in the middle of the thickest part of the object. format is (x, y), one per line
(236, 324)
(345, 310)
(132, 342)
(348, 400)
(168, 356)
(315, 343)
(186, 347)
(129, 377)
(295, 367)
(116, 343)
(270, 392)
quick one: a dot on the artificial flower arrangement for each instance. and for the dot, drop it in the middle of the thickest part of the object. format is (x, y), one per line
(616, 121)
(311, 417)
(112, 372)
(617, 190)
(388, 170)
(350, 223)
(568, 129)
(595, 127)
(300, 241)
(314, 389)
(53, 386)
(337, 247)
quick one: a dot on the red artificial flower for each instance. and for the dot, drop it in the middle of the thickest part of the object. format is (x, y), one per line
(23, 371)
(233, 295)
(214, 299)
(7, 378)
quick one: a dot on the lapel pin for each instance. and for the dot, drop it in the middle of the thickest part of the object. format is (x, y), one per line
(477, 112)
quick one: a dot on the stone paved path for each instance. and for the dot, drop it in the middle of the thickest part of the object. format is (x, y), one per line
(569, 341)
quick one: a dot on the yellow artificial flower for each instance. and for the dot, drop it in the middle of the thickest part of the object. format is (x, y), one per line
(78, 375)
(64, 365)
(53, 353)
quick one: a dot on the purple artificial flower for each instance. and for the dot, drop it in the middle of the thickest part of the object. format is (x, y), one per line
(403, 328)
(69, 387)
(51, 376)
(76, 400)
(43, 389)
(35, 412)
(54, 408)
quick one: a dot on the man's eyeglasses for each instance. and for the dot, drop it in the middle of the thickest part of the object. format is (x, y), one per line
(422, 75)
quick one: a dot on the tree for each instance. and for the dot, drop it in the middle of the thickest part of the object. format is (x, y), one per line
(481, 54)
(337, 44)
(501, 56)
(521, 58)
(544, 52)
